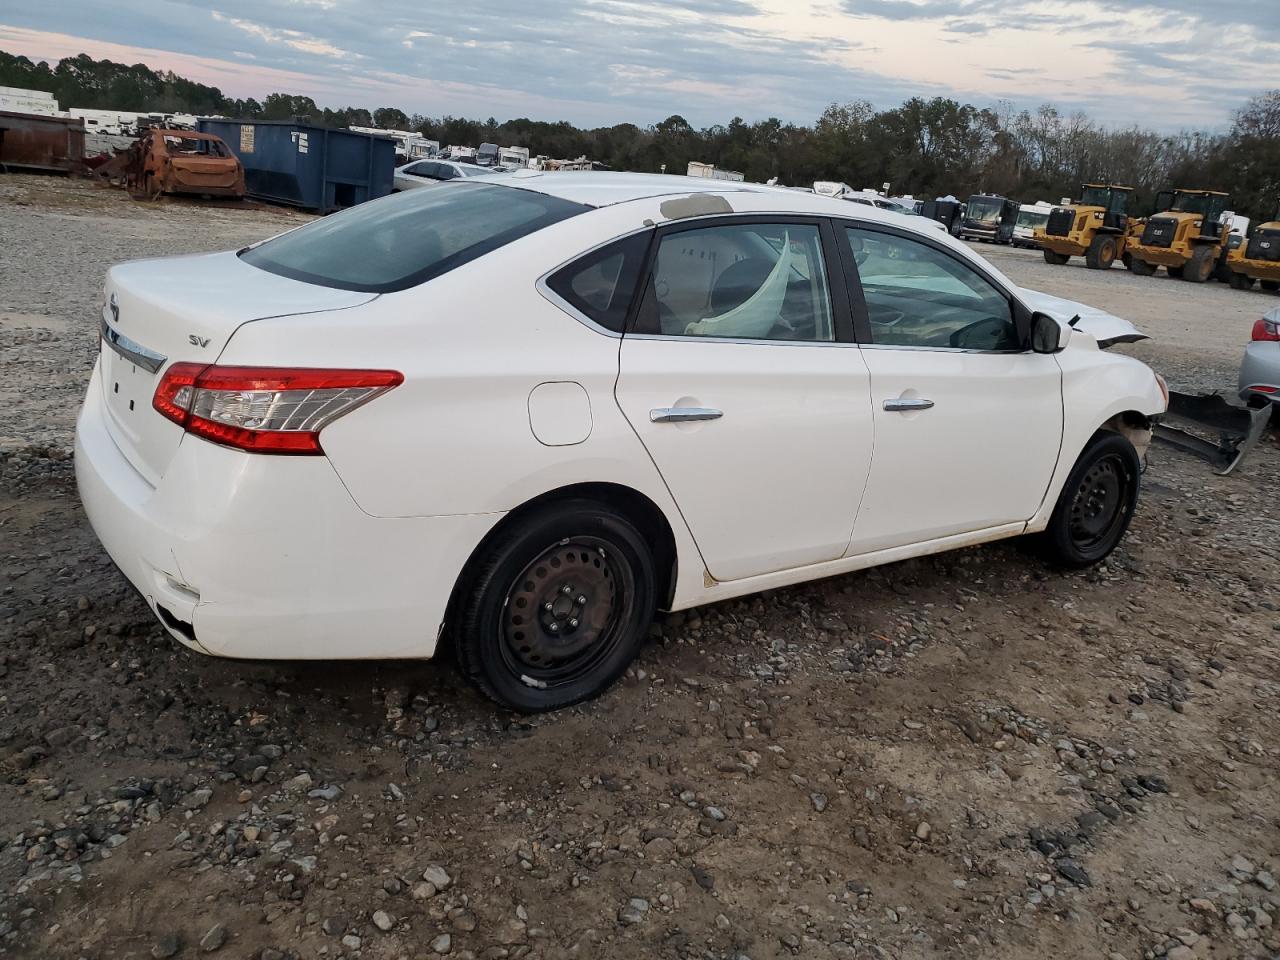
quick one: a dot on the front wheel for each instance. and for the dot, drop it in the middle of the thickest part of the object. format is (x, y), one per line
(1241, 282)
(1096, 504)
(1269, 285)
(1200, 267)
(1142, 268)
(1101, 253)
(1057, 259)
(557, 607)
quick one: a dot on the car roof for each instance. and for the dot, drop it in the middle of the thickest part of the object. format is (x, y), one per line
(604, 189)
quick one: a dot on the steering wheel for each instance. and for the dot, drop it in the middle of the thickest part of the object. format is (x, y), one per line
(989, 333)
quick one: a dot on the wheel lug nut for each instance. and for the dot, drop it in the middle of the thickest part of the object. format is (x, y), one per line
(547, 606)
(574, 622)
(566, 589)
(553, 627)
(582, 598)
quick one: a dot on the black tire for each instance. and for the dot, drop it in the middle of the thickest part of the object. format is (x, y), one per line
(1200, 267)
(1239, 281)
(1270, 285)
(1175, 272)
(506, 642)
(1127, 259)
(1057, 259)
(1142, 268)
(1101, 253)
(1096, 504)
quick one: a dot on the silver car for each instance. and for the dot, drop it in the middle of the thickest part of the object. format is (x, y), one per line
(423, 173)
(1260, 371)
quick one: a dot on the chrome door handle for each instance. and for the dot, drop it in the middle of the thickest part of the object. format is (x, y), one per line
(904, 404)
(683, 414)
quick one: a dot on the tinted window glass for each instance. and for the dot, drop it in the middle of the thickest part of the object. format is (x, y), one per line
(423, 169)
(918, 296)
(756, 281)
(601, 284)
(408, 238)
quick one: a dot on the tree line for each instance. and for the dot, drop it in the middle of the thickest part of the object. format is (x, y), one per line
(924, 147)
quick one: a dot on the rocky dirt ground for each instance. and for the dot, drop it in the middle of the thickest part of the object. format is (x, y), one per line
(962, 756)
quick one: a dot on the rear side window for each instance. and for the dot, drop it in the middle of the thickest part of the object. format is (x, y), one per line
(601, 284)
(408, 238)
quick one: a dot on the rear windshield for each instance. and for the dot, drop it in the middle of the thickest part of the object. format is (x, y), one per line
(406, 239)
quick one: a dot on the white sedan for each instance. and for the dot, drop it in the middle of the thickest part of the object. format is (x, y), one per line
(426, 173)
(520, 414)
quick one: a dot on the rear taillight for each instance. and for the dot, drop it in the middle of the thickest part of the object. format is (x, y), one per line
(265, 409)
(1265, 329)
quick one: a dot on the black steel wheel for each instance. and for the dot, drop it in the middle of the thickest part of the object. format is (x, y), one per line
(557, 607)
(1096, 504)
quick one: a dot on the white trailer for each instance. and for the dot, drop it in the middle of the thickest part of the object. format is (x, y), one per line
(712, 172)
(19, 100)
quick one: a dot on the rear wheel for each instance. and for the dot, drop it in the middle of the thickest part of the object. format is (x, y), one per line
(1142, 268)
(557, 607)
(1200, 267)
(1057, 259)
(1176, 272)
(1239, 281)
(1272, 285)
(1096, 504)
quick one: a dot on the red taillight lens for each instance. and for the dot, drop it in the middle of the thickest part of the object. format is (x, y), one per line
(265, 409)
(1265, 329)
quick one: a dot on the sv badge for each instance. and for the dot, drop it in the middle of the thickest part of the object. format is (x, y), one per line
(197, 341)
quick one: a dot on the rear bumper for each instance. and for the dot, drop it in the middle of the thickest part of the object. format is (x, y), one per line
(262, 557)
(1260, 368)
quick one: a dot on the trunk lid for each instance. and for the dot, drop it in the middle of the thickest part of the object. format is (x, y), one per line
(158, 312)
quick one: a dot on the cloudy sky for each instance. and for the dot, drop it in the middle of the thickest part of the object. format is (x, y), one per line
(1166, 64)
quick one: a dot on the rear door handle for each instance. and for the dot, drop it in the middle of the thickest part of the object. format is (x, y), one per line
(683, 414)
(903, 404)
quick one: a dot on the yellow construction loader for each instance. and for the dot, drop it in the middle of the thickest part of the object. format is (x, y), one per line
(1187, 237)
(1095, 227)
(1259, 259)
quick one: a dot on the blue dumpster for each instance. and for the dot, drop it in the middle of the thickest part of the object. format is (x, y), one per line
(308, 166)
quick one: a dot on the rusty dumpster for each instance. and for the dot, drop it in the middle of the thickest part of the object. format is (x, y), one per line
(32, 141)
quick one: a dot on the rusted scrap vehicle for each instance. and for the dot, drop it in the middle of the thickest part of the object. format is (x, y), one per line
(178, 161)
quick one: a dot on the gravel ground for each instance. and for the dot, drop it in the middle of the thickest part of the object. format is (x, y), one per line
(962, 756)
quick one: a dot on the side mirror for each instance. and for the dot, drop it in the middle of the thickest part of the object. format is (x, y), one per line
(1047, 335)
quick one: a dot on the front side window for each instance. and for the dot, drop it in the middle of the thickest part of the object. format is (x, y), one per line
(407, 238)
(751, 281)
(919, 296)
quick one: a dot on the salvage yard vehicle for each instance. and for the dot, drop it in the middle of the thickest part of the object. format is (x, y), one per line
(1187, 239)
(1260, 371)
(424, 173)
(989, 217)
(664, 394)
(1258, 259)
(949, 213)
(1095, 227)
(1031, 217)
(182, 161)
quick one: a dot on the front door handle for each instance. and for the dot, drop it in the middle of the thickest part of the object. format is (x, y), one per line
(683, 414)
(904, 404)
